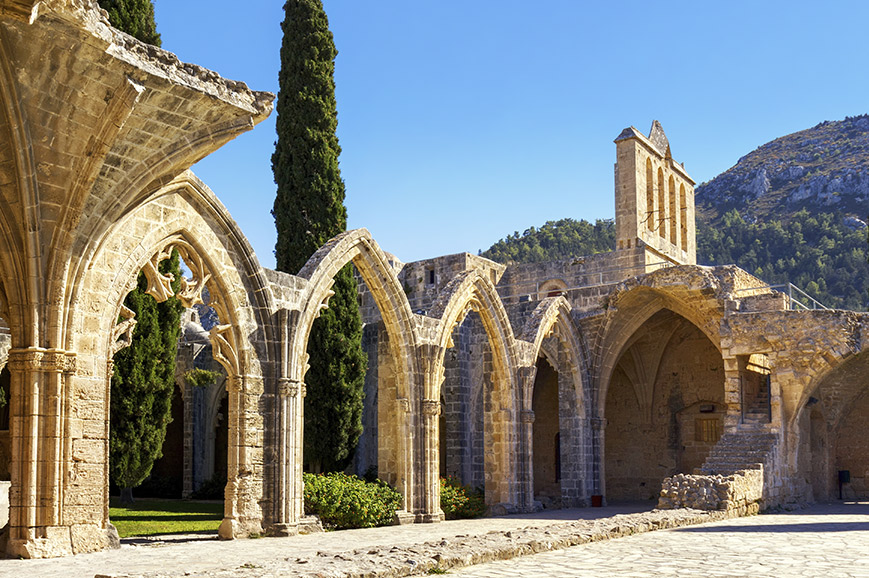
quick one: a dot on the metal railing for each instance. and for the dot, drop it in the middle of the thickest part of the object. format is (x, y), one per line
(797, 298)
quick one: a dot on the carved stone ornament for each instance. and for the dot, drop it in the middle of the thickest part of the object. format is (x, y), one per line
(431, 407)
(190, 293)
(224, 349)
(160, 286)
(36, 359)
(527, 416)
(290, 388)
(122, 333)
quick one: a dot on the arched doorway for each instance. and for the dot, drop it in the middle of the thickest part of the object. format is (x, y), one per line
(832, 426)
(664, 406)
(546, 433)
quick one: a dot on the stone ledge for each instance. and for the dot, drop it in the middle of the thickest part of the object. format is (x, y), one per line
(446, 554)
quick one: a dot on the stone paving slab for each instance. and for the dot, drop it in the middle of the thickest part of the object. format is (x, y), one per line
(197, 556)
(825, 540)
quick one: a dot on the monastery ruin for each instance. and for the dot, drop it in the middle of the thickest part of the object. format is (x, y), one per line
(550, 384)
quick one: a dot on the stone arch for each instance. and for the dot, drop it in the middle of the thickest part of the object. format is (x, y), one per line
(471, 290)
(551, 288)
(184, 215)
(634, 308)
(19, 233)
(664, 405)
(553, 317)
(357, 246)
(834, 408)
(555, 337)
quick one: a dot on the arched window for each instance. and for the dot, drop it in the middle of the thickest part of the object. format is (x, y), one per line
(650, 196)
(683, 224)
(674, 211)
(662, 205)
(551, 288)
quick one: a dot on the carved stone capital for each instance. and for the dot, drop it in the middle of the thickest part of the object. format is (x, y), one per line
(403, 404)
(37, 359)
(599, 423)
(290, 388)
(527, 416)
(431, 407)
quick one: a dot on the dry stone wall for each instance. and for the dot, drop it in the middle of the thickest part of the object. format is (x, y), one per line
(741, 491)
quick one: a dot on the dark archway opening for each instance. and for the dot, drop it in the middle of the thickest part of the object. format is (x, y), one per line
(546, 433)
(664, 406)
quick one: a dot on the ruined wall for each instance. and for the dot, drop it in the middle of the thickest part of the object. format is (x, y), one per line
(741, 491)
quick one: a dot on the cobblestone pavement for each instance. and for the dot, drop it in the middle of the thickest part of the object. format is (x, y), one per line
(205, 556)
(824, 540)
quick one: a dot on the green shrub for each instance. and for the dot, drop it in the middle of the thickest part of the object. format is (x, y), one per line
(343, 501)
(458, 501)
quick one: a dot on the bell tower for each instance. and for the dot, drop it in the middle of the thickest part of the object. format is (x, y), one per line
(654, 198)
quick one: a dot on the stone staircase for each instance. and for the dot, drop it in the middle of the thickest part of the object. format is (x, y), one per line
(746, 449)
(757, 410)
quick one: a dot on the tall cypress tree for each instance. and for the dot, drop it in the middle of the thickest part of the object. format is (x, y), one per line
(143, 383)
(308, 211)
(135, 17)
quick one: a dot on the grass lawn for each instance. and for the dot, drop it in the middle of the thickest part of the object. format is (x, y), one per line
(151, 517)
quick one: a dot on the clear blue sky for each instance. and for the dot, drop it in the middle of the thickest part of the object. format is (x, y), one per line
(463, 121)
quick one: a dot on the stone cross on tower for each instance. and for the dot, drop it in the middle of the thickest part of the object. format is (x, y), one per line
(654, 198)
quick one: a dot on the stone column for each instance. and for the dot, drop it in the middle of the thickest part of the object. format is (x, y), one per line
(39, 380)
(404, 470)
(431, 409)
(244, 488)
(598, 425)
(290, 498)
(526, 461)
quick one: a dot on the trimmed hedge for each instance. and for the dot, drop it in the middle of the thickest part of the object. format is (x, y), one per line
(344, 502)
(458, 501)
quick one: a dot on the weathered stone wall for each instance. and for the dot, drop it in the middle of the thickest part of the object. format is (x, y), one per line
(741, 491)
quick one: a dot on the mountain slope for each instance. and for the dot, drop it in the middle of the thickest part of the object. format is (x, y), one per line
(824, 168)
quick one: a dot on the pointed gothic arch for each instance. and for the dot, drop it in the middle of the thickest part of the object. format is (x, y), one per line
(395, 461)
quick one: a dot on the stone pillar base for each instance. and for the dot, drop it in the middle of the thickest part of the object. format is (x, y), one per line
(430, 518)
(229, 529)
(283, 530)
(310, 525)
(403, 517)
(54, 543)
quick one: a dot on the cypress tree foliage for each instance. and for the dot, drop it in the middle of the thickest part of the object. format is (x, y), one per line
(143, 383)
(308, 211)
(135, 17)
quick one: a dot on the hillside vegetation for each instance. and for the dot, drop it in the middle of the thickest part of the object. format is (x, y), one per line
(817, 253)
(554, 241)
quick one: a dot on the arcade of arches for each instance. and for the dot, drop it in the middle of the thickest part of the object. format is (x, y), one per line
(547, 384)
